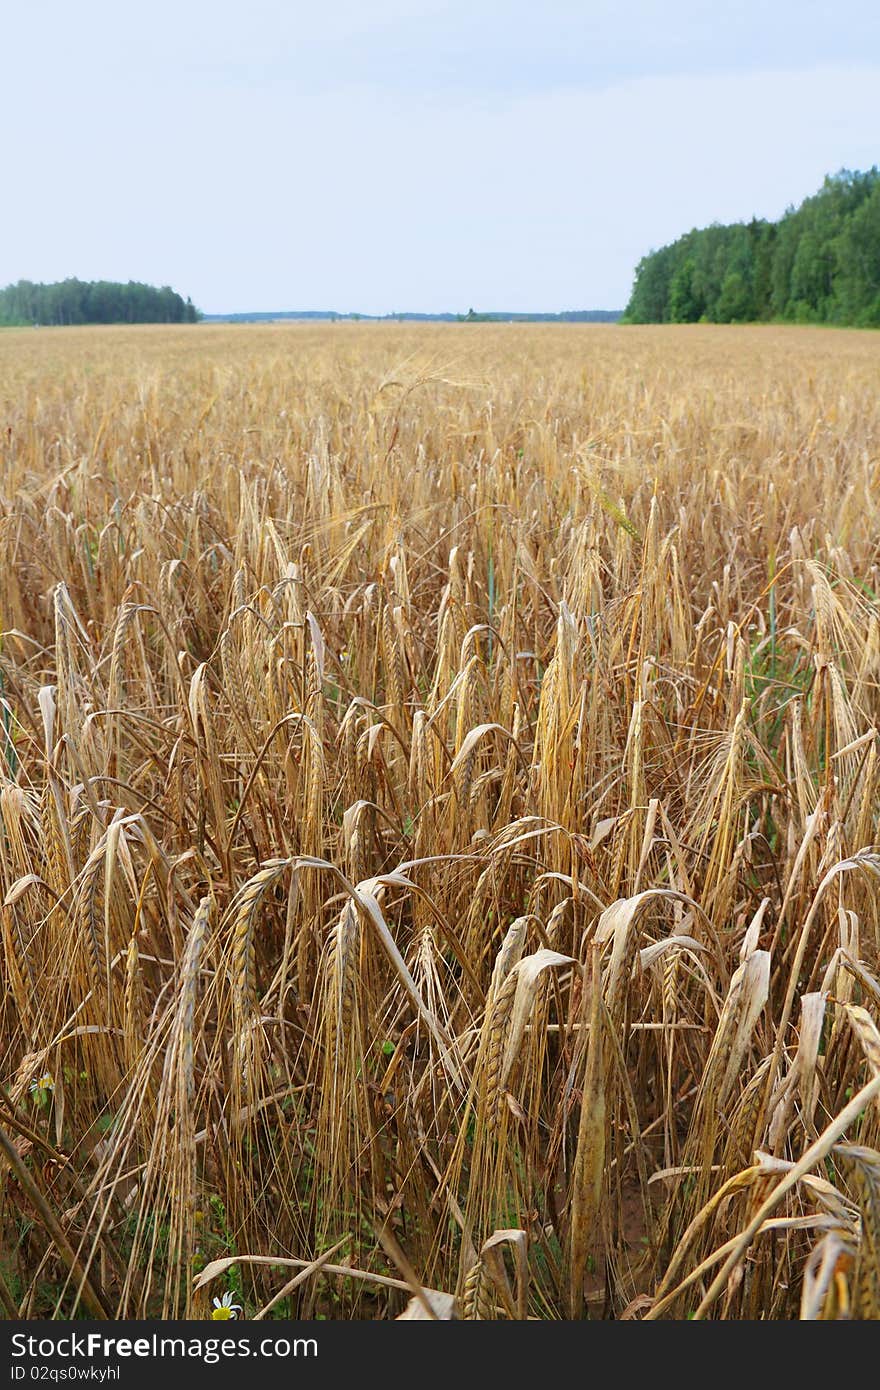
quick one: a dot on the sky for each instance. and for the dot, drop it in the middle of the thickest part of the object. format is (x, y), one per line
(402, 155)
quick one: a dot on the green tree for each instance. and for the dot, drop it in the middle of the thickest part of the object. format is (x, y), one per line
(101, 301)
(649, 302)
(735, 303)
(819, 264)
(857, 265)
(686, 304)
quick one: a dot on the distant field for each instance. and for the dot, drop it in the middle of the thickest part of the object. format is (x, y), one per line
(439, 794)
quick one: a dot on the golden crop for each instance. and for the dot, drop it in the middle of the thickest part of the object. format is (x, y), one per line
(439, 792)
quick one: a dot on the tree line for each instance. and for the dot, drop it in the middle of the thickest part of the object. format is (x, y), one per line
(93, 301)
(820, 263)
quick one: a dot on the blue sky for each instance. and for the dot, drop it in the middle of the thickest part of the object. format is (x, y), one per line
(412, 154)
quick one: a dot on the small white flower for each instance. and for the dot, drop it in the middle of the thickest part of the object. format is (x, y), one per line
(225, 1308)
(42, 1084)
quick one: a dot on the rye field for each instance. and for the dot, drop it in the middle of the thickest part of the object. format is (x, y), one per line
(439, 861)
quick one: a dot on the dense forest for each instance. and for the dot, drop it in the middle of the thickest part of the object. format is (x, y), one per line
(96, 301)
(820, 263)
